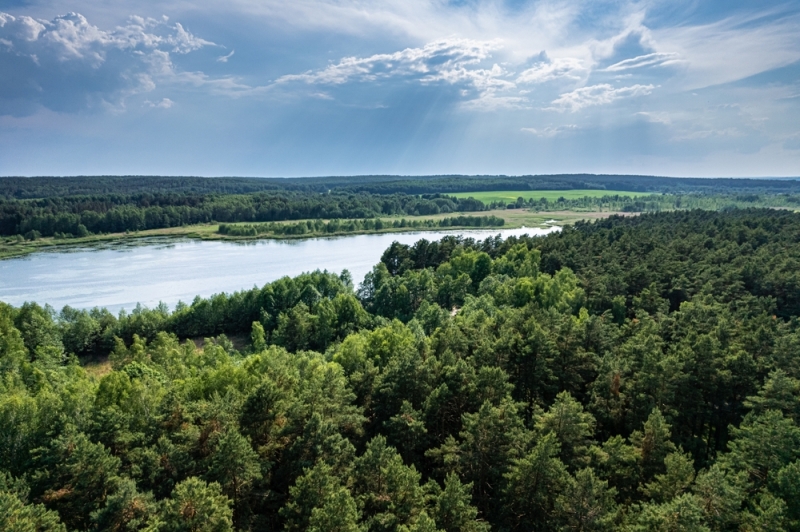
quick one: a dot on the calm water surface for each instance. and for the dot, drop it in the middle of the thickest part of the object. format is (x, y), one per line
(118, 276)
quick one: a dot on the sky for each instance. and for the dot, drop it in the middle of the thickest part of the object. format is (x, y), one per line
(411, 87)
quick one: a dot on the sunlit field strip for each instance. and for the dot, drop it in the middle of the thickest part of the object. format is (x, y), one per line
(511, 196)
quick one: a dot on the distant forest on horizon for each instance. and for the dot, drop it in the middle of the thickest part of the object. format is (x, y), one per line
(12, 187)
(67, 207)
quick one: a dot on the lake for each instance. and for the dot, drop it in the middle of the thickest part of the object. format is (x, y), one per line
(148, 271)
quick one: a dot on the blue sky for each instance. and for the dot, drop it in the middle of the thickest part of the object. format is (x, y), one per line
(333, 87)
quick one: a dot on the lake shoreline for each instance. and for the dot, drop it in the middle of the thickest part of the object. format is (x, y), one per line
(514, 219)
(119, 275)
(51, 244)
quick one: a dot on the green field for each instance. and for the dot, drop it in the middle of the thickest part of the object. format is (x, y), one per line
(510, 196)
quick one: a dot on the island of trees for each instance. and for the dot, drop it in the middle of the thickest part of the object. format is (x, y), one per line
(636, 374)
(335, 226)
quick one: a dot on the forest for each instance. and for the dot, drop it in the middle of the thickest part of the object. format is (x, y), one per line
(77, 216)
(650, 203)
(636, 374)
(55, 187)
(63, 208)
(335, 226)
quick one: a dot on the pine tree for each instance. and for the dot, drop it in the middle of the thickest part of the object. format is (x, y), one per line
(779, 392)
(126, 509)
(572, 427)
(196, 507)
(532, 485)
(235, 466)
(18, 516)
(787, 486)
(721, 493)
(682, 514)
(653, 445)
(316, 485)
(587, 504)
(338, 513)
(679, 475)
(453, 511)
(422, 524)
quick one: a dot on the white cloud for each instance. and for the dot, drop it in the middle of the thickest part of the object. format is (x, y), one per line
(568, 68)
(165, 103)
(72, 37)
(709, 133)
(163, 69)
(418, 21)
(589, 43)
(628, 33)
(744, 43)
(656, 117)
(597, 95)
(654, 59)
(552, 131)
(67, 63)
(224, 58)
(24, 28)
(443, 60)
(616, 41)
(491, 101)
(184, 42)
(733, 48)
(450, 61)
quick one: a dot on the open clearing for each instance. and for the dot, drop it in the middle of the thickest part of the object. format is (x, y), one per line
(510, 196)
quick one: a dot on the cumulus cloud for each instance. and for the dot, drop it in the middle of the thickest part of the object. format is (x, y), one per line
(546, 69)
(597, 95)
(452, 61)
(71, 36)
(443, 60)
(67, 63)
(743, 39)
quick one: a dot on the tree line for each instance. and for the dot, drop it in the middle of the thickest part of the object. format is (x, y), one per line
(68, 207)
(57, 187)
(652, 202)
(83, 215)
(636, 374)
(310, 227)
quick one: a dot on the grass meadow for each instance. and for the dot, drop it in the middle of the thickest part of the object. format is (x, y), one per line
(510, 196)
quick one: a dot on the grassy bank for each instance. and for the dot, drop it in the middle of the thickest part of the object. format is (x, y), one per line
(510, 196)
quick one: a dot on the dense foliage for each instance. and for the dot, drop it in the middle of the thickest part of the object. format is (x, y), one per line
(638, 374)
(57, 187)
(633, 183)
(653, 202)
(79, 206)
(312, 227)
(82, 215)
